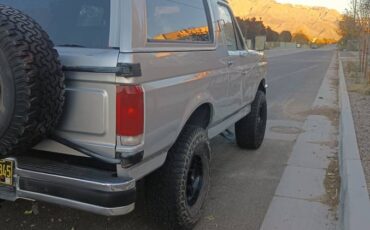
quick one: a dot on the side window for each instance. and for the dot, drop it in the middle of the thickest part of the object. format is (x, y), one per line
(228, 29)
(180, 20)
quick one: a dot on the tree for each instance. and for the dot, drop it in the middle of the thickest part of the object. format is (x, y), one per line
(285, 36)
(358, 17)
(301, 38)
(271, 36)
(348, 28)
(364, 14)
(354, 4)
(253, 27)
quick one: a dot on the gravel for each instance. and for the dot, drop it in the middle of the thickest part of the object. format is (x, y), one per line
(361, 113)
(360, 104)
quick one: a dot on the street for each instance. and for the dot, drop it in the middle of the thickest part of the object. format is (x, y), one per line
(243, 182)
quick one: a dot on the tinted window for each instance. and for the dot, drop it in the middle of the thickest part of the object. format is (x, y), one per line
(228, 29)
(70, 22)
(178, 20)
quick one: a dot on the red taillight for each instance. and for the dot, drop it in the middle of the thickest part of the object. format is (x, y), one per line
(130, 111)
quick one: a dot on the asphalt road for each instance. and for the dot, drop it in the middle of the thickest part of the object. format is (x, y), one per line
(243, 182)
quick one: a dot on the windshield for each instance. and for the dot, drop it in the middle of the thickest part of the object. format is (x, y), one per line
(75, 23)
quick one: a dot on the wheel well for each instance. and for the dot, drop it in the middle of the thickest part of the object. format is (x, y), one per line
(201, 117)
(262, 87)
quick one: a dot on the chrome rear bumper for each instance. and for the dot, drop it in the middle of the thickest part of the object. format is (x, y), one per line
(78, 187)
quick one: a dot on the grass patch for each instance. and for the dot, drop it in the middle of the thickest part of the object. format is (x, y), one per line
(357, 82)
(332, 184)
(361, 88)
(352, 70)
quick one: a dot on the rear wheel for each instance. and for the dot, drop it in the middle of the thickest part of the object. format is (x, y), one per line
(250, 131)
(178, 190)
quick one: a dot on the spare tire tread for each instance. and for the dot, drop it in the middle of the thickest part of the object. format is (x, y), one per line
(38, 80)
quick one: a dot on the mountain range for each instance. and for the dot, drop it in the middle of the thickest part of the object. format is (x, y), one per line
(315, 22)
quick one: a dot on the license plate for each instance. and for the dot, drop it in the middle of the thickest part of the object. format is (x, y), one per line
(6, 172)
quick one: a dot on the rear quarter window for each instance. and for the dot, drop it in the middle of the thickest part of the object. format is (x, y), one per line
(178, 20)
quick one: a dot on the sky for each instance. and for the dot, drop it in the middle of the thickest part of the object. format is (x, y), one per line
(339, 5)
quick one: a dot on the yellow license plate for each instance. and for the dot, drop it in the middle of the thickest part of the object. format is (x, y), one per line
(6, 172)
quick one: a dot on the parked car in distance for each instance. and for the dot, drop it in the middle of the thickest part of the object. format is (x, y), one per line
(96, 95)
(314, 46)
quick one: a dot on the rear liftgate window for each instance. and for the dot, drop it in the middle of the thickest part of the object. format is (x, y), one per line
(76, 23)
(178, 20)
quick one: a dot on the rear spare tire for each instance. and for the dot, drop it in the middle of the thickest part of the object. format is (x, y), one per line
(31, 82)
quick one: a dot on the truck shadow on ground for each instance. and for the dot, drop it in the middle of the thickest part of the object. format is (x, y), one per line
(24, 214)
(38, 215)
(231, 167)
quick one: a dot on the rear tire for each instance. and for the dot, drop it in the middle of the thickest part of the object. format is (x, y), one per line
(31, 83)
(250, 131)
(176, 193)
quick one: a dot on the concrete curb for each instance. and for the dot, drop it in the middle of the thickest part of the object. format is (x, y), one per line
(354, 198)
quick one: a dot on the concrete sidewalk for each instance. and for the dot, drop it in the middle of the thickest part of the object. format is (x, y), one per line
(307, 195)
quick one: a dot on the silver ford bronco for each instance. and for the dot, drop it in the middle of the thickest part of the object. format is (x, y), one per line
(98, 94)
